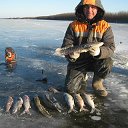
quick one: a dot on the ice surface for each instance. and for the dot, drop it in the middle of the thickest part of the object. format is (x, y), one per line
(35, 42)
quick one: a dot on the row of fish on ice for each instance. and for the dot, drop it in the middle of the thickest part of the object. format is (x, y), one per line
(78, 100)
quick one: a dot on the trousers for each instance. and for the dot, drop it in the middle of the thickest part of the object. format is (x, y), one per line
(76, 75)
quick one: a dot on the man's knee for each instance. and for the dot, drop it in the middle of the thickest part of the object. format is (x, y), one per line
(73, 86)
(103, 67)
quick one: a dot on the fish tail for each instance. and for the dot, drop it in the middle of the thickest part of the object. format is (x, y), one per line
(7, 111)
(27, 112)
(15, 111)
(81, 109)
(23, 112)
(92, 110)
(58, 110)
(85, 110)
(74, 110)
(70, 110)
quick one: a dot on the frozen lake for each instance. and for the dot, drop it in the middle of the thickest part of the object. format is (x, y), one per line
(35, 42)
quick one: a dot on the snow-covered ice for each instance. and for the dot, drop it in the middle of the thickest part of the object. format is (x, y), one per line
(35, 42)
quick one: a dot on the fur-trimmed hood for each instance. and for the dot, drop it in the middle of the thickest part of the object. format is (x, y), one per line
(79, 11)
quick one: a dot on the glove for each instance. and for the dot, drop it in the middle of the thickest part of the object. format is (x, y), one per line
(74, 55)
(95, 50)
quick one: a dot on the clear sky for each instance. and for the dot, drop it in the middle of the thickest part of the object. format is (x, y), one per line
(22, 8)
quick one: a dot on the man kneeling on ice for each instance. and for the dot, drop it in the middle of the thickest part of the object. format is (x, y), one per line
(89, 27)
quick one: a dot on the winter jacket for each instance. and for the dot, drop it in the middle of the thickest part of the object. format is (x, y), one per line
(82, 31)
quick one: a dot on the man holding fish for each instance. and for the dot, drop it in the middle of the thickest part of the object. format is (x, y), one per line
(89, 28)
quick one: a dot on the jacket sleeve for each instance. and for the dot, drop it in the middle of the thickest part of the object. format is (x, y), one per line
(108, 48)
(69, 37)
(68, 41)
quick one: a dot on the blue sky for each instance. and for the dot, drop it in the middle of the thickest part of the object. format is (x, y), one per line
(22, 8)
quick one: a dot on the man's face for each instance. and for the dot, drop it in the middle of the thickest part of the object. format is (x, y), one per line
(90, 11)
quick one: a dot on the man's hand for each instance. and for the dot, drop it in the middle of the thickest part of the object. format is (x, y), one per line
(74, 55)
(95, 50)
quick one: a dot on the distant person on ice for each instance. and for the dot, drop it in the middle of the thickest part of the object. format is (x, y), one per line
(89, 27)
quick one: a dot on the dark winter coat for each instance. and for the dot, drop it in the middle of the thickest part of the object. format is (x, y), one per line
(82, 31)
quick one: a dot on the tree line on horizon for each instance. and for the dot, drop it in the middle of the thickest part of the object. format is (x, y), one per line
(120, 17)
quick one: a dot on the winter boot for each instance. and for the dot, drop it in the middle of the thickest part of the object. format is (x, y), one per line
(98, 87)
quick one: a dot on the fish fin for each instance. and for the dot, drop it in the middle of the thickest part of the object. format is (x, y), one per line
(27, 112)
(99, 44)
